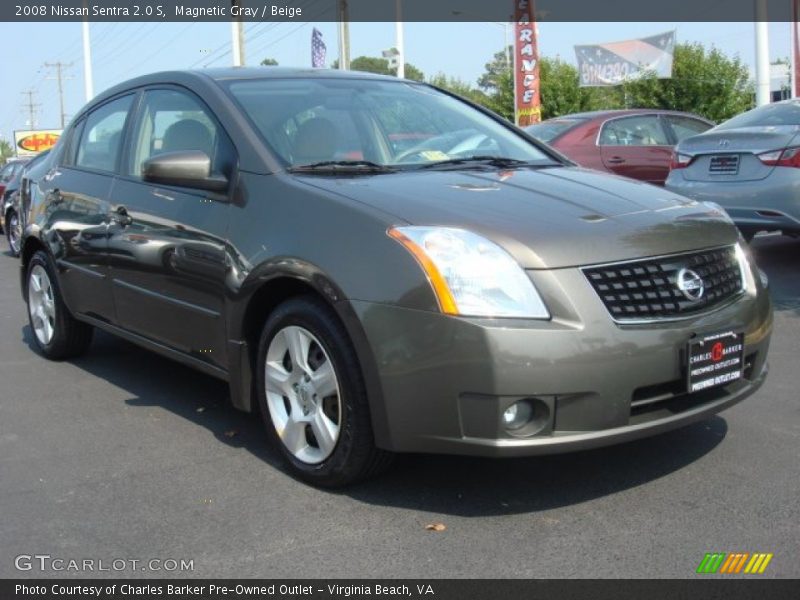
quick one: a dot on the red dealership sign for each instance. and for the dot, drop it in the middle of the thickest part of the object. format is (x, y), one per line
(527, 103)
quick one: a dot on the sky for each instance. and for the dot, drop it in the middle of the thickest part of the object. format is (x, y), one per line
(124, 50)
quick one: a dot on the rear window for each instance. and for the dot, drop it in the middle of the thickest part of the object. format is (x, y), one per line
(769, 115)
(552, 128)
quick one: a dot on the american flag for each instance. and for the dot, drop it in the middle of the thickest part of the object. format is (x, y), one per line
(317, 49)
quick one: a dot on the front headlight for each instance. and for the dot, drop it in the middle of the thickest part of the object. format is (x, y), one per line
(470, 275)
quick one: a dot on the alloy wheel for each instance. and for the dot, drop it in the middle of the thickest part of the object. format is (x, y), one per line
(303, 394)
(41, 304)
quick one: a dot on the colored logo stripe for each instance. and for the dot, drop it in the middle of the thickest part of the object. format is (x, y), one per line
(711, 562)
(731, 563)
(758, 563)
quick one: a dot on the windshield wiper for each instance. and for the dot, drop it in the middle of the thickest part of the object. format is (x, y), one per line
(488, 160)
(343, 166)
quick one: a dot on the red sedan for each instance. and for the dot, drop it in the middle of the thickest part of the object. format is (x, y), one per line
(635, 143)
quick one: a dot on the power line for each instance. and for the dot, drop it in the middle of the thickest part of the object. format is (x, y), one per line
(59, 67)
(31, 107)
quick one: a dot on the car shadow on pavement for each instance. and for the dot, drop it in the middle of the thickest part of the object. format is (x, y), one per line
(465, 486)
(472, 487)
(152, 380)
(779, 257)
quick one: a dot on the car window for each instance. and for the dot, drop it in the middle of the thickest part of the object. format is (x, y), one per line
(634, 131)
(550, 129)
(101, 138)
(397, 124)
(684, 127)
(782, 113)
(176, 121)
(8, 172)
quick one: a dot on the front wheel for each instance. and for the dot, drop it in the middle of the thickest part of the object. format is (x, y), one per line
(312, 396)
(56, 333)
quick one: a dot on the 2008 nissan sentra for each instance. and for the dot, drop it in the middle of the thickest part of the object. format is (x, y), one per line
(378, 267)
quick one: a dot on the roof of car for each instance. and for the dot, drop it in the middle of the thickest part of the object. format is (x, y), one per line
(286, 72)
(598, 114)
(201, 76)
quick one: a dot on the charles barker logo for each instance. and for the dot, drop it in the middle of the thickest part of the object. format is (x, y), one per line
(734, 563)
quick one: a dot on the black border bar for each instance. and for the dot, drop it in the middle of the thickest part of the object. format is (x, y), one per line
(384, 10)
(732, 588)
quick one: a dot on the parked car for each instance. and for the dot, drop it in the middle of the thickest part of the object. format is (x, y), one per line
(10, 207)
(9, 170)
(504, 305)
(633, 143)
(750, 165)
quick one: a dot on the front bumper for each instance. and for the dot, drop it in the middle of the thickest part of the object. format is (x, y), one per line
(446, 381)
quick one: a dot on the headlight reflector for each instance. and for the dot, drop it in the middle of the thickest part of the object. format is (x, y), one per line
(471, 275)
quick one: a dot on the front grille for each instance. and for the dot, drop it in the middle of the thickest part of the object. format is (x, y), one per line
(648, 288)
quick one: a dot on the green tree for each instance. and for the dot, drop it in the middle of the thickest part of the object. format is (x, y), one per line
(561, 93)
(6, 150)
(704, 81)
(459, 87)
(380, 66)
(497, 73)
(269, 62)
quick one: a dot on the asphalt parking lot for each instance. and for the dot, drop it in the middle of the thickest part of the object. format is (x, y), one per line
(123, 454)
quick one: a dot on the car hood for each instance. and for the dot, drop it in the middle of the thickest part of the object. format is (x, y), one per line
(546, 218)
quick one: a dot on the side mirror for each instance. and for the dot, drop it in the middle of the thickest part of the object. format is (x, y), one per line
(190, 168)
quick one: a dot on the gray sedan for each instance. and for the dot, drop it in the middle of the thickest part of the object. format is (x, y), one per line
(750, 165)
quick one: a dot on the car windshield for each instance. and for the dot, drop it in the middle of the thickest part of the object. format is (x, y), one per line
(768, 115)
(550, 129)
(374, 124)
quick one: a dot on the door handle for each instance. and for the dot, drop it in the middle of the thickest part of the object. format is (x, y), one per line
(121, 216)
(616, 160)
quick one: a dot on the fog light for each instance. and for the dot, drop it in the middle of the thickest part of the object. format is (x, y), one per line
(517, 415)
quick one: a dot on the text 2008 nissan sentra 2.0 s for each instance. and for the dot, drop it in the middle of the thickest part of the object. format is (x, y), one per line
(381, 267)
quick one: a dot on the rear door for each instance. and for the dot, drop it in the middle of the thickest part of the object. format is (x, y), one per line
(637, 147)
(76, 210)
(168, 260)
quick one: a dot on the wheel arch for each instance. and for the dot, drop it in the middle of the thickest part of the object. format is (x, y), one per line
(260, 295)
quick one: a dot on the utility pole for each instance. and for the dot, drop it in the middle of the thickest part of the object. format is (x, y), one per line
(344, 35)
(237, 38)
(399, 41)
(762, 54)
(59, 67)
(31, 107)
(88, 83)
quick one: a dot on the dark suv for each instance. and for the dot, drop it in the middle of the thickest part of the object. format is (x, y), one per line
(379, 266)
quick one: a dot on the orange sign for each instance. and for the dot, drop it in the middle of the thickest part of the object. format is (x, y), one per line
(35, 141)
(527, 103)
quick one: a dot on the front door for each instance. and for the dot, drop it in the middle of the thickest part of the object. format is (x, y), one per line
(637, 147)
(167, 249)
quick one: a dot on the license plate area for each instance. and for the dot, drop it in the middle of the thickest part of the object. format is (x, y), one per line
(725, 164)
(715, 360)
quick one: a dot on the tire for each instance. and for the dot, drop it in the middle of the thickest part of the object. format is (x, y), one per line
(57, 334)
(321, 408)
(13, 233)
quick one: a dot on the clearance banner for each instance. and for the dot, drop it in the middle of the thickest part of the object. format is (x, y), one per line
(30, 142)
(617, 62)
(795, 49)
(527, 103)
